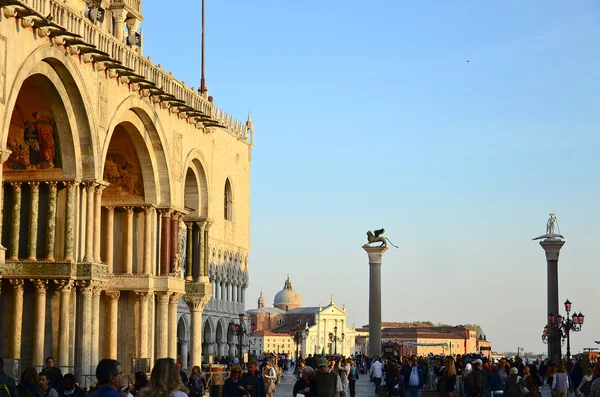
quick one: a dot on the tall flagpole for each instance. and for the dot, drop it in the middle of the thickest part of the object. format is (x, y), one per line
(202, 80)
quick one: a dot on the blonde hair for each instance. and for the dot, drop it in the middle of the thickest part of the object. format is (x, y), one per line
(450, 368)
(164, 379)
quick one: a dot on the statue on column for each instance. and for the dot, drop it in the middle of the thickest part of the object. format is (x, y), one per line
(550, 232)
(377, 237)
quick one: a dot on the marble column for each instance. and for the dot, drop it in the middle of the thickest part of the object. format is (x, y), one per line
(70, 221)
(162, 326)
(203, 250)
(97, 221)
(173, 301)
(17, 318)
(142, 297)
(113, 315)
(185, 345)
(64, 286)
(243, 295)
(110, 238)
(223, 289)
(33, 221)
(97, 292)
(85, 332)
(148, 217)
(204, 272)
(89, 222)
(174, 242)
(165, 244)
(4, 155)
(231, 349)
(552, 248)
(119, 16)
(375, 258)
(39, 321)
(16, 221)
(129, 240)
(51, 232)
(196, 305)
(189, 258)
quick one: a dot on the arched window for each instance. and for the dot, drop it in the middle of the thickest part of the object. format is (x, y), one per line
(228, 201)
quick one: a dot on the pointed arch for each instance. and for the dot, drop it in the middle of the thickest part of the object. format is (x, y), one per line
(196, 191)
(228, 201)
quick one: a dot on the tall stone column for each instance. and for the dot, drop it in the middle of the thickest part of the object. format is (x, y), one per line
(16, 221)
(185, 346)
(51, 232)
(129, 240)
(33, 221)
(39, 321)
(94, 355)
(189, 258)
(110, 238)
(148, 217)
(70, 221)
(64, 286)
(119, 16)
(165, 243)
(375, 258)
(17, 318)
(173, 301)
(89, 222)
(85, 332)
(197, 305)
(113, 315)
(174, 241)
(552, 248)
(162, 326)
(203, 251)
(4, 155)
(204, 272)
(97, 221)
(143, 350)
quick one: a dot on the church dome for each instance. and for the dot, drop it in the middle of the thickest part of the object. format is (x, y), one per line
(287, 298)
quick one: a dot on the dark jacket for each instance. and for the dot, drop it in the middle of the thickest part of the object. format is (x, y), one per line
(406, 372)
(495, 382)
(9, 382)
(301, 384)
(30, 390)
(105, 391)
(475, 384)
(513, 388)
(197, 383)
(448, 383)
(77, 392)
(55, 377)
(255, 384)
(230, 388)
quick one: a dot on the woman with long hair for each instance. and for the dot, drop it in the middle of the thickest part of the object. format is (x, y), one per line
(532, 380)
(165, 381)
(448, 381)
(560, 383)
(197, 382)
(235, 386)
(30, 383)
(270, 377)
(343, 370)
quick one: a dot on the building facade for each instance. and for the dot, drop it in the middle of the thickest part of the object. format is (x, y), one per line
(125, 199)
(327, 326)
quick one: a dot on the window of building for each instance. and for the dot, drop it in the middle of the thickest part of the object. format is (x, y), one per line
(228, 201)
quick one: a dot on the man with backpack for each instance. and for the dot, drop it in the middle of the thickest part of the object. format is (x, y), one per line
(8, 386)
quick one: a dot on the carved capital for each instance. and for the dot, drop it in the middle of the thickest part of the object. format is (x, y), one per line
(142, 296)
(165, 212)
(129, 210)
(119, 15)
(16, 186)
(112, 296)
(196, 303)
(35, 186)
(52, 186)
(90, 187)
(174, 299)
(110, 209)
(85, 286)
(133, 24)
(148, 210)
(72, 185)
(99, 189)
(190, 225)
(64, 286)
(4, 155)
(40, 285)
(163, 297)
(17, 284)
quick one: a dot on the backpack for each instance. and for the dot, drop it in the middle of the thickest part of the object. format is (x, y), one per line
(4, 392)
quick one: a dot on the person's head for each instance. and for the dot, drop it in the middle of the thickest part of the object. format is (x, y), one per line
(164, 379)
(494, 369)
(140, 379)
(322, 364)
(514, 371)
(526, 370)
(252, 368)
(196, 369)
(269, 365)
(109, 373)
(236, 372)
(307, 374)
(49, 362)
(414, 360)
(69, 381)
(477, 364)
(30, 376)
(590, 372)
(560, 368)
(44, 381)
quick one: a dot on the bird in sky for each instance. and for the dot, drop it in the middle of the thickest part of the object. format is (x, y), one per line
(468, 60)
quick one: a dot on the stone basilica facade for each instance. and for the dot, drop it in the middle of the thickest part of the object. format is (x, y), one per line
(125, 200)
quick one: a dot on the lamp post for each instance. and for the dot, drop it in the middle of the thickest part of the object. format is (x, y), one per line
(560, 327)
(298, 336)
(334, 338)
(239, 330)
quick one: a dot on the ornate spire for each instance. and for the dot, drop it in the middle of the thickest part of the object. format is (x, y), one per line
(261, 300)
(288, 283)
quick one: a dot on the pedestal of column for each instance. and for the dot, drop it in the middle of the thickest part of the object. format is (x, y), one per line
(64, 286)
(552, 249)
(113, 315)
(143, 350)
(129, 241)
(110, 238)
(33, 221)
(375, 258)
(15, 227)
(39, 321)
(173, 301)
(70, 221)
(51, 232)
(162, 326)
(17, 318)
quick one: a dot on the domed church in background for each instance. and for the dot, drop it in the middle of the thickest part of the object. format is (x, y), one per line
(287, 298)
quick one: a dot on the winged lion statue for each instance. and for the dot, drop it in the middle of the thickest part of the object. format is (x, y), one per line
(377, 236)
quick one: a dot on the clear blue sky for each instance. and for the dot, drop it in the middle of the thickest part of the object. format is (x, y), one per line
(367, 115)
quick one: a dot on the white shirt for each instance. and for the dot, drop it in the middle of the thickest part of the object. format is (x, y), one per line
(376, 370)
(414, 376)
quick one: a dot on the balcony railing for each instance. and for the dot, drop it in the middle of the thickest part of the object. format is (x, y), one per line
(133, 4)
(74, 22)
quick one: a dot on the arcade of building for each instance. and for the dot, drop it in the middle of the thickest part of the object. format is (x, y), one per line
(125, 196)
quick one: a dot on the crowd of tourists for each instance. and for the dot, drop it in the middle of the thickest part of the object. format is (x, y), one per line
(323, 376)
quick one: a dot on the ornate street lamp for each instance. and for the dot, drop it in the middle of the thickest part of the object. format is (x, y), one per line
(239, 330)
(559, 327)
(334, 338)
(298, 336)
